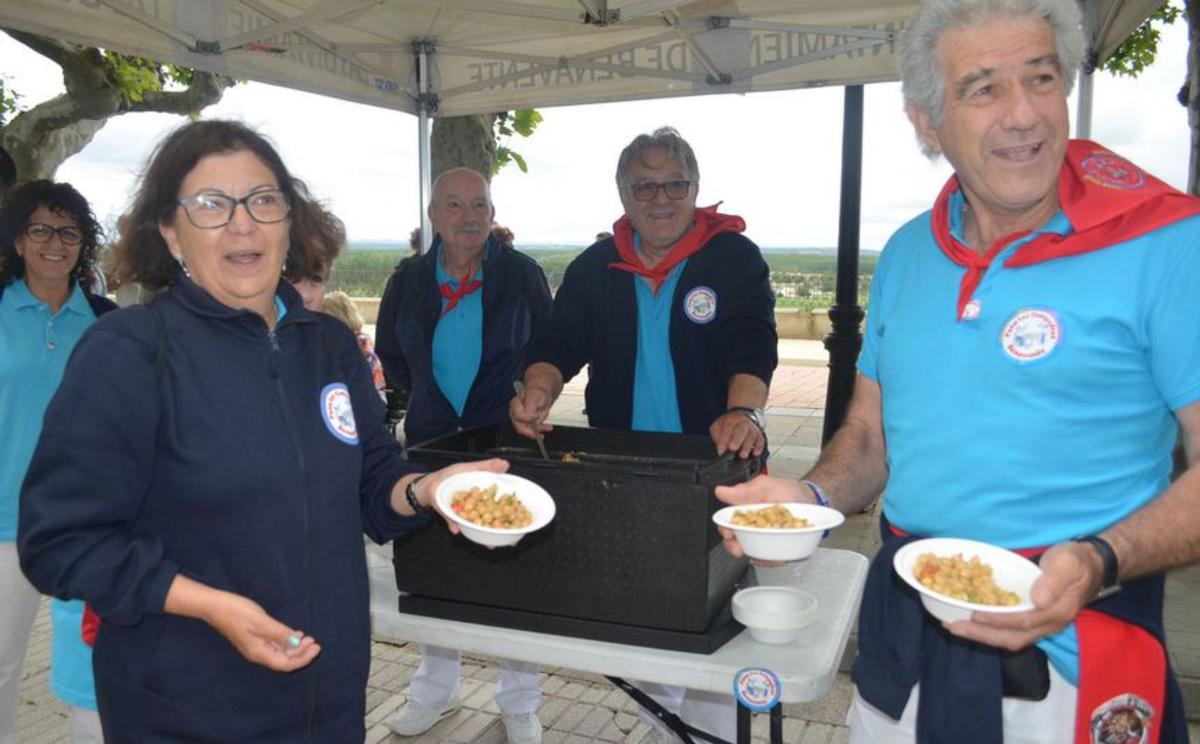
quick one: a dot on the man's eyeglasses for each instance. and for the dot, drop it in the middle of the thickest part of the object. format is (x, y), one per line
(209, 211)
(647, 190)
(40, 232)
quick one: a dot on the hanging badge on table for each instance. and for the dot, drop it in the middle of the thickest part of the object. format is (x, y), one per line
(757, 688)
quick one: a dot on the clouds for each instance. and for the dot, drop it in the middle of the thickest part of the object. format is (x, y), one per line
(774, 158)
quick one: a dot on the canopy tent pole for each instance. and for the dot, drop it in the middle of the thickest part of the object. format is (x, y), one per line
(1087, 80)
(424, 104)
(846, 314)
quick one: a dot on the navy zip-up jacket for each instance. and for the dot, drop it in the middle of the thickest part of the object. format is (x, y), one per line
(516, 305)
(230, 462)
(595, 321)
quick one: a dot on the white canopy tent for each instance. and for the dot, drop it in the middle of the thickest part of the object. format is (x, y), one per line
(478, 56)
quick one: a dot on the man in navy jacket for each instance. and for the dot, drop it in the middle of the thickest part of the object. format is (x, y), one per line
(675, 316)
(453, 328)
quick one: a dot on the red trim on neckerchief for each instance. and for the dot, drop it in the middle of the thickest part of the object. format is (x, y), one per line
(706, 222)
(1107, 200)
(1122, 681)
(465, 287)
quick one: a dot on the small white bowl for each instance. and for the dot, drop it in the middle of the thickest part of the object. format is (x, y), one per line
(533, 496)
(788, 544)
(774, 614)
(1010, 571)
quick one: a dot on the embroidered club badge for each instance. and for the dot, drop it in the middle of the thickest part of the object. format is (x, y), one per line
(338, 412)
(1112, 171)
(1124, 719)
(700, 305)
(1031, 334)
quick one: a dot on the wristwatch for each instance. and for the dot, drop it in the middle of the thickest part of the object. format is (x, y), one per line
(1108, 556)
(754, 414)
(410, 495)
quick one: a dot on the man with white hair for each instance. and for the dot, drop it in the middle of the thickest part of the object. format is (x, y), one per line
(1032, 348)
(453, 329)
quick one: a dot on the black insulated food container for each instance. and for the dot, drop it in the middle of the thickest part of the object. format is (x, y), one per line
(632, 555)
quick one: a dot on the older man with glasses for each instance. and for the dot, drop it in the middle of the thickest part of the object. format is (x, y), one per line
(675, 315)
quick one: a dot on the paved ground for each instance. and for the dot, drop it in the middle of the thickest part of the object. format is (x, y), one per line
(582, 708)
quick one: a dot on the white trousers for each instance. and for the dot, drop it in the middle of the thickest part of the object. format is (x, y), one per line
(85, 726)
(435, 682)
(1048, 721)
(711, 712)
(18, 609)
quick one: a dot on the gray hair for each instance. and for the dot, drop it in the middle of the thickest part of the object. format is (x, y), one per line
(433, 191)
(921, 78)
(663, 138)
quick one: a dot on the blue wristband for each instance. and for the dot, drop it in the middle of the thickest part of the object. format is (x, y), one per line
(818, 492)
(822, 499)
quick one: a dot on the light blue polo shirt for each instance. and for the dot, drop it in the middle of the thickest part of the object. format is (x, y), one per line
(458, 341)
(34, 346)
(1048, 415)
(655, 399)
(71, 659)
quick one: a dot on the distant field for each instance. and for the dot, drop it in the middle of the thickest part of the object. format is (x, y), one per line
(801, 280)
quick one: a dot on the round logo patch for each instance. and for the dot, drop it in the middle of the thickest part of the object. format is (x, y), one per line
(1125, 719)
(1112, 171)
(338, 412)
(1031, 334)
(700, 305)
(757, 688)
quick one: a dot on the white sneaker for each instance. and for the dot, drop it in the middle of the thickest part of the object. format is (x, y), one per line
(523, 728)
(413, 718)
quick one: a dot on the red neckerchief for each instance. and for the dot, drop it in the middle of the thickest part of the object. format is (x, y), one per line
(1107, 200)
(452, 295)
(706, 222)
(1122, 680)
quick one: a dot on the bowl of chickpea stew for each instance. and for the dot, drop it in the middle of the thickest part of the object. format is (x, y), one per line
(956, 577)
(778, 532)
(494, 509)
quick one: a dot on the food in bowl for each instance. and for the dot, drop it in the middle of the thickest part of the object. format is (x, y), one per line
(969, 580)
(481, 506)
(772, 517)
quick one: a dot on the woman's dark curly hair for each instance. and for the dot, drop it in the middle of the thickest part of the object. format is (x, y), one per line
(18, 206)
(141, 254)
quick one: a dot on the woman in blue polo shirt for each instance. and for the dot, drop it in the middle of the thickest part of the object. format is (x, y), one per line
(49, 239)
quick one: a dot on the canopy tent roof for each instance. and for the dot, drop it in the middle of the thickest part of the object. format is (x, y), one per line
(499, 55)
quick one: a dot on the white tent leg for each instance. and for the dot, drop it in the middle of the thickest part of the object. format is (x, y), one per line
(1083, 106)
(423, 154)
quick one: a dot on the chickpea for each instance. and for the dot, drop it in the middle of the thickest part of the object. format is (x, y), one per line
(481, 506)
(773, 517)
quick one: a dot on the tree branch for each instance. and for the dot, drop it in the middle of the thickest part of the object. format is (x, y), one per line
(205, 90)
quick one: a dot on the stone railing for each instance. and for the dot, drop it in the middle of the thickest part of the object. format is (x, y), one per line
(790, 323)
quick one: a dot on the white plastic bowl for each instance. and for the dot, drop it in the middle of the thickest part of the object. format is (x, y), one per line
(774, 614)
(791, 544)
(533, 496)
(1010, 571)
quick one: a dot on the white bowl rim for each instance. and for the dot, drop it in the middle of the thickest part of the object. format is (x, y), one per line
(809, 598)
(823, 518)
(500, 478)
(947, 546)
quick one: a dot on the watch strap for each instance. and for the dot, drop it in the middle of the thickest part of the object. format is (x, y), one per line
(754, 414)
(1107, 555)
(410, 495)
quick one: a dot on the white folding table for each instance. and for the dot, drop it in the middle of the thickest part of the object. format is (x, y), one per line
(806, 668)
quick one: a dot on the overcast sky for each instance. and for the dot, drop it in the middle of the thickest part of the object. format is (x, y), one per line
(771, 157)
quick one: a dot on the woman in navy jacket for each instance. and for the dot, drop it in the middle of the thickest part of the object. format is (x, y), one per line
(209, 464)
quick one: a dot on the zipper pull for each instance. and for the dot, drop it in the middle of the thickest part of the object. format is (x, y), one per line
(274, 354)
